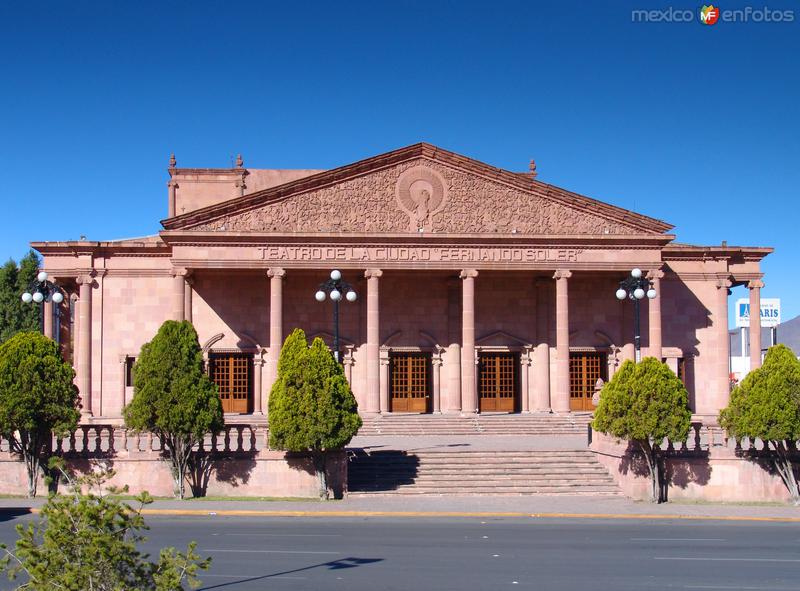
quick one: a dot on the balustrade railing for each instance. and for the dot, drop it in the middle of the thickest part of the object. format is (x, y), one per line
(106, 441)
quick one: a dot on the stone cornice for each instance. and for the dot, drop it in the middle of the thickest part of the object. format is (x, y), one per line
(421, 150)
(682, 252)
(194, 238)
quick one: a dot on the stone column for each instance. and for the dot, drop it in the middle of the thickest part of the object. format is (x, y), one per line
(84, 369)
(123, 362)
(469, 394)
(171, 187)
(47, 311)
(276, 275)
(187, 300)
(560, 399)
(347, 362)
(258, 394)
(654, 348)
(377, 392)
(436, 363)
(452, 402)
(718, 397)
(384, 382)
(755, 323)
(524, 365)
(179, 294)
(541, 354)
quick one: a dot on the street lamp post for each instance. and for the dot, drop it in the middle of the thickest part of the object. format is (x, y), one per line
(334, 288)
(635, 287)
(42, 290)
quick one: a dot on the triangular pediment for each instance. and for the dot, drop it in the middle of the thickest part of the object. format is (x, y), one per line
(417, 189)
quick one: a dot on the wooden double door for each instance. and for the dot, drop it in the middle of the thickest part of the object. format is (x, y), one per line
(410, 382)
(584, 371)
(233, 375)
(498, 379)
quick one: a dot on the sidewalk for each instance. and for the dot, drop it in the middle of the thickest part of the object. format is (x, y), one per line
(475, 506)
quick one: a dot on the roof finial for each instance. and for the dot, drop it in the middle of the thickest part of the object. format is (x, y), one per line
(172, 161)
(532, 168)
(239, 161)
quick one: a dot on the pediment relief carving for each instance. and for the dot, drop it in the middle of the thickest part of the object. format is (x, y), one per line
(419, 195)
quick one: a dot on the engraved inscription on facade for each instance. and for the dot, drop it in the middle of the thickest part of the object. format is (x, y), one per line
(432, 254)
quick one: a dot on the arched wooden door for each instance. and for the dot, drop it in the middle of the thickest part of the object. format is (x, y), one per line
(497, 382)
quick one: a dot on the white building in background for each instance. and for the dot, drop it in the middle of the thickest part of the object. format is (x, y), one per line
(770, 319)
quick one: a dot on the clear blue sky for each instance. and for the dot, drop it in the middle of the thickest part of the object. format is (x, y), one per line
(697, 125)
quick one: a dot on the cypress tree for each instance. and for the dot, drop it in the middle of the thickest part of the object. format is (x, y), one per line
(766, 406)
(645, 403)
(311, 406)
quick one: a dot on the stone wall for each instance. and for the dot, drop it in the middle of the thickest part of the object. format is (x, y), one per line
(240, 464)
(708, 467)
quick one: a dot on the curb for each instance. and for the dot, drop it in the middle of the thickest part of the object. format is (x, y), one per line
(431, 514)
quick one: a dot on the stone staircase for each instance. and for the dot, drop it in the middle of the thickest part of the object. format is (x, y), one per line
(483, 424)
(441, 473)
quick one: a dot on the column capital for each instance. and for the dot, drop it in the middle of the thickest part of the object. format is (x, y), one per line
(276, 272)
(181, 272)
(370, 273)
(468, 273)
(172, 184)
(562, 274)
(655, 274)
(755, 284)
(86, 278)
(723, 282)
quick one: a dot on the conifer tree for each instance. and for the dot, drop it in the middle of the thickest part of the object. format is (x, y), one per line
(37, 399)
(173, 397)
(311, 406)
(645, 403)
(766, 406)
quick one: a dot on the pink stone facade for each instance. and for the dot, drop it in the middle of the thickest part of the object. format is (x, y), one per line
(450, 257)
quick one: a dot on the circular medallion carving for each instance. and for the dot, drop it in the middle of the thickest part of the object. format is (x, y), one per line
(420, 192)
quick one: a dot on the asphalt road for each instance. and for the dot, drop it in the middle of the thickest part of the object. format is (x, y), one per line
(464, 554)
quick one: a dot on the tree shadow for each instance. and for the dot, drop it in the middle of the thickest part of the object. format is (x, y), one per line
(342, 563)
(335, 468)
(382, 470)
(235, 471)
(9, 513)
(681, 468)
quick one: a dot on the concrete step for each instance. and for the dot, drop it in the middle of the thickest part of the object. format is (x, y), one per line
(478, 472)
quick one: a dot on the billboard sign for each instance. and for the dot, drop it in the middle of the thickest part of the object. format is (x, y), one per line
(770, 312)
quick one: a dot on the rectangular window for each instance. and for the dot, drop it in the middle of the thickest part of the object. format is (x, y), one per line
(129, 362)
(682, 370)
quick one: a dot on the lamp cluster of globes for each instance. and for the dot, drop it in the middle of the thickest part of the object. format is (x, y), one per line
(638, 293)
(38, 296)
(335, 294)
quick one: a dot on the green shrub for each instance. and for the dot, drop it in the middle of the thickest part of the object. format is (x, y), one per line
(173, 397)
(766, 406)
(311, 406)
(645, 403)
(37, 399)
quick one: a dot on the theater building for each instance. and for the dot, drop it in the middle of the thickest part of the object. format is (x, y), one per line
(479, 289)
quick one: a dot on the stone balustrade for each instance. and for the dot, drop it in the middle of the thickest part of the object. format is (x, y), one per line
(113, 441)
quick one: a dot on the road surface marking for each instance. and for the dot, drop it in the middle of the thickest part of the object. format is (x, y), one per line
(677, 539)
(714, 559)
(268, 551)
